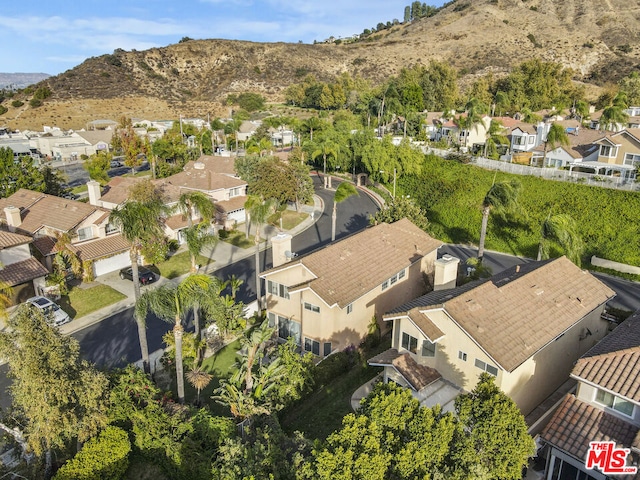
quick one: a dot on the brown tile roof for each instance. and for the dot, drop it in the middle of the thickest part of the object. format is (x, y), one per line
(204, 180)
(46, 245)
(215, 164)
(517, 312)
(418, 376)
(577, 423)
(117, 190)
(582, 143)
(23, 198)
(21, 272)
(39, 210)
(9, 239)
(96, 136)
(614, 363)
(236, 203)
(176, 222)
(525, 127)
(347, 269)
(425, 325)
(103, 247)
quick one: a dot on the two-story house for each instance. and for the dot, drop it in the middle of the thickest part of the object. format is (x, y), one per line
(327, 300)
(619, 154)
(526, 326)
(604, 408)
(18, 269)
(45, 217)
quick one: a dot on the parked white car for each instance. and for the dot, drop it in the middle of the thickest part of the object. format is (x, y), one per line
(54, 314)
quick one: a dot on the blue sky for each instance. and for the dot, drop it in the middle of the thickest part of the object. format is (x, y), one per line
(52, 36)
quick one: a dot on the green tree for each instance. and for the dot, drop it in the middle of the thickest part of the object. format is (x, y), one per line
(501, 196)
(556, 136)
(192, 204)
(198, 379)
(615, 112)
(493, 438)
(401, 207)
(344, 191)
(560, 230)
(259, 211)
(59, 396)
(54, 181)
(172, 303)
(126, 142)
(140, 224)
(98, 166)
(18, 174)
(325, 149)
(6, 298)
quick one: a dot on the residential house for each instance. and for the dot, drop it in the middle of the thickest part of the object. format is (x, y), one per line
(618, 154)
(524, 137)
(326, 300)
(594, 123)
(247, 129)
(525, 326)
(18, 269)
(432, 124)
(582, 148)
(634, 117)
(45, 217)
(604, 408)
(477, 135)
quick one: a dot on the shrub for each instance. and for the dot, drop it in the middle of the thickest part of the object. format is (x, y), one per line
(17, 103)
(335, 365)
(104, 457)
(3, 109)
(35, 103)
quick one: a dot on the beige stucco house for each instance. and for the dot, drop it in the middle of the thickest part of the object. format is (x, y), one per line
(18, 269)
(605, 407)
(619, 154)
(326, 300)
(526, 326)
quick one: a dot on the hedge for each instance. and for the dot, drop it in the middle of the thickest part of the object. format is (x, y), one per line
(105, 457)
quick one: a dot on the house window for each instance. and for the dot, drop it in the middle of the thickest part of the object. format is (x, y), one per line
(312, 346)
(288, 328)
(428, 348)
(272, 319)
(349, 308)
(401, 274)
(85, 233)
(612, 401)
(608, 151)
(409, 343)
(392, 280)
(277, 289)
(235, 192)
(462, 355)
(326, 349)
(385, 285)
(632, 159)
(531, 140)
(110, 229)
(311, 307)
(519, 140)
(486, 367)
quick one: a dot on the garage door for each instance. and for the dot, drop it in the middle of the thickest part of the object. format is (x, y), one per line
(106, 265)
(237, 216)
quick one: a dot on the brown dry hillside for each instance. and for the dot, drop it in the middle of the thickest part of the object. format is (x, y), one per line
(599, 39)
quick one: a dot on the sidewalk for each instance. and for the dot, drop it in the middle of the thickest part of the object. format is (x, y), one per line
(221, 255)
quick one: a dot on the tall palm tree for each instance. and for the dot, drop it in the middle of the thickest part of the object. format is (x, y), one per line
(234, 283)
(192, 203)
(260, 210)
(561, 229)
(556, 136)
(344, 191)
(614, 113)
(197, 237)
(503, 196)
(325, 149)
(198, 379)
(139, 223)
(172, 303)
(311, 124)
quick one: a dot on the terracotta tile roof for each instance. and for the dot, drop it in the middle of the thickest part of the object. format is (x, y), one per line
(347, 269)
(501, 313)
(433, 118)
(507, 122)
(176, 222)
(582, 143)
(614, 363)
(215, 164)
(236, 203)
(103, 247)
(596, 115)
(46, 245)
(418, 376)
(39, 210)
(204, 180)
(426, 326)
(577, 423)
(117, 190)
(23, 198)
(21, 272)
(9, 239)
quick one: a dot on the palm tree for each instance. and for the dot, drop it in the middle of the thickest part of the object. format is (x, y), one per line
(556, 136)
(191, 203)
(198, 379)
(561, 229)
(139, 223)
(614, 113)
(255, 343)
(259, 210)
(311, 124)
(6, 295)
(66, 257)
(326, 148)
(344, 191)
(234, 283)
(197, 237)
(503, 196)
(172, 303)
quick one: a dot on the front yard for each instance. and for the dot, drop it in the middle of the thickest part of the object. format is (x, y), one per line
(82, 301)
(179, 264)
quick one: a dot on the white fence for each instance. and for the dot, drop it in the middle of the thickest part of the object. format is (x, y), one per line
(548, 173)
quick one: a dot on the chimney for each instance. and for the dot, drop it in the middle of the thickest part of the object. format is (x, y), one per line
(14, 220)
(281, 249)
(95, 192)
(446, 272)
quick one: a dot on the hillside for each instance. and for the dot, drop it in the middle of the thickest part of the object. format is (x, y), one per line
(599, 40)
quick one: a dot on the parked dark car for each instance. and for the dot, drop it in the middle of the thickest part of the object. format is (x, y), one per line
(144, 274)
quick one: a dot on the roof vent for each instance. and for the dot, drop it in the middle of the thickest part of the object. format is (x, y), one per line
(198, 166)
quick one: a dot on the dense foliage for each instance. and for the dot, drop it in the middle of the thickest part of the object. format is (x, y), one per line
(452, 195)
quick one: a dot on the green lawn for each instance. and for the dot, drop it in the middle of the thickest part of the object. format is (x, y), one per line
(79, 189)
(238, 239)
(178, 264)
(82, 301)
(290, 219)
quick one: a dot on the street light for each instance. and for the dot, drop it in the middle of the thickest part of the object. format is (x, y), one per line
(394, 181)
